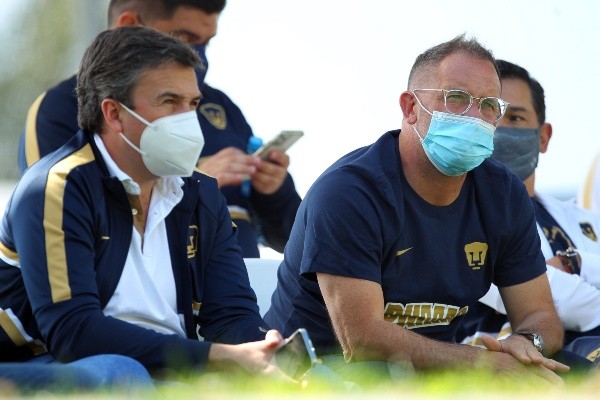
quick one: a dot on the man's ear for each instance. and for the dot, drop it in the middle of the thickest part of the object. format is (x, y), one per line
(545, 135)
(111, 111)
(128, 18)
(407, 104)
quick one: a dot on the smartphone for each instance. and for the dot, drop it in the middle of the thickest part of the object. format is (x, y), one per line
(281, 142)
(296, 356)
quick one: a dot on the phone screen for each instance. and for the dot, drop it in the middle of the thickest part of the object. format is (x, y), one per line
(296, 356)
(281, 142)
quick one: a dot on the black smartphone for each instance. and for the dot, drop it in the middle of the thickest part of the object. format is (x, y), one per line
(281, 142)
(296, 356)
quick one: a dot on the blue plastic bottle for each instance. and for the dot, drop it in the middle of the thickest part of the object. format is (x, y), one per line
(254, 142)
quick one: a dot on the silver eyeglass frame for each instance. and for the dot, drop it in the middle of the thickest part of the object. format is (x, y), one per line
(503, 104)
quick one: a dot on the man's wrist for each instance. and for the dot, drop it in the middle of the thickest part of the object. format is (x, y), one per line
(221, 357)
(534, 338)
(570, 260)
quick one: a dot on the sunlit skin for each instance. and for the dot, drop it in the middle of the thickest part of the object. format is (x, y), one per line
(230, 166)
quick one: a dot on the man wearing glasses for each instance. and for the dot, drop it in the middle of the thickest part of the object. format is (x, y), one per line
(396, 240)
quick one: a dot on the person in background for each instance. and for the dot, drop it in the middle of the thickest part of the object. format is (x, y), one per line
(568, 234)
(267, 212)
(113, 244)
(395, 241)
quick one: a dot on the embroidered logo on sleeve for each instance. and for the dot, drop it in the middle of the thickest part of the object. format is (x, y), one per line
(215, 114)
(588, 231)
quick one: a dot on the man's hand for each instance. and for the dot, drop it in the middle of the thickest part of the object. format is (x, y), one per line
(270, 174)
(252, 357)
(524, 355)
(230, 166)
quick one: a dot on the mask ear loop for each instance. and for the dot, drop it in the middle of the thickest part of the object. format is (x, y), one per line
(133, 146)
(138, 116)
(141, 119)
(426, 110)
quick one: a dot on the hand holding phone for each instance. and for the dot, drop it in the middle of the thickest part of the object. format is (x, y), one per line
(296, 355)
(281, 142)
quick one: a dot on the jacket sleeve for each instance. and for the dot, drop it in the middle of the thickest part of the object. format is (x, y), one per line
(229, 312)
(275, 213)
(590, 267)
(51, 122)
(577, 302)
(57, 239)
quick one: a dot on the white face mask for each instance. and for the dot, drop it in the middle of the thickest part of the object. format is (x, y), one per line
(171, 145)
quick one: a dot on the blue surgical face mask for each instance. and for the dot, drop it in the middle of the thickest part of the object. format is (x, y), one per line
(518, 149)
(455, 144)
(201, 72)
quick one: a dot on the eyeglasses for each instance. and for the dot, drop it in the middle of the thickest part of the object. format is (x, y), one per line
(459, 102)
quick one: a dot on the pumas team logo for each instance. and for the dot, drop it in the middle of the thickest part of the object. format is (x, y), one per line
(588, 231)
(215, 114)
(476, 253)
(421, 315)
(192, 247)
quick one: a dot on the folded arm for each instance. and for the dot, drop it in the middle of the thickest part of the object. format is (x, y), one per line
(356, 310)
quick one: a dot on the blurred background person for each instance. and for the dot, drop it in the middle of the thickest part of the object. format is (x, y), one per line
(568, 233)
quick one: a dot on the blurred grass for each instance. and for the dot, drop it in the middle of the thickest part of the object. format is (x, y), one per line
(475, 384)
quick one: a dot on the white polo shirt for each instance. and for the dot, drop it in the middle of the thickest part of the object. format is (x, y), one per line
(146, 294)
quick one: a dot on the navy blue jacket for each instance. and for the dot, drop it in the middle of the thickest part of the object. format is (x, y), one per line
(52, 121)
(63, 244)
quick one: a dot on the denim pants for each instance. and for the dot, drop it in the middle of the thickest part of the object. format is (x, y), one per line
(94, 372)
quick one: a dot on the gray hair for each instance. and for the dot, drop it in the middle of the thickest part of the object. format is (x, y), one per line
(112, 65)
(433, 56)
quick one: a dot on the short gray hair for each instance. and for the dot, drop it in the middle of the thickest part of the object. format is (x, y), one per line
(112, 65)
(433, 56)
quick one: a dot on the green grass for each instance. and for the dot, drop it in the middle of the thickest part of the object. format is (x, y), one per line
(439, 385)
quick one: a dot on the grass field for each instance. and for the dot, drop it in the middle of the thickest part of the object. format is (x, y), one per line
(448, 385)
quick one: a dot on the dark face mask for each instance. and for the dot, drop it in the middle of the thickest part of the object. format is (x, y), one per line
(518, 149)
(201, 72)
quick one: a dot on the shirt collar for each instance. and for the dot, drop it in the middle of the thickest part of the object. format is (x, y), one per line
(131, 187)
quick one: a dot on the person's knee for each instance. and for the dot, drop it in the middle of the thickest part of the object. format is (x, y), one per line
(115, 370)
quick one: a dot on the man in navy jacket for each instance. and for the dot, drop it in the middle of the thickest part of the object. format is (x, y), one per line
(269, 208)
(105, 249)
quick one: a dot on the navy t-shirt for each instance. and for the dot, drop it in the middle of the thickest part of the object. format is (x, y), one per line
(362, 219)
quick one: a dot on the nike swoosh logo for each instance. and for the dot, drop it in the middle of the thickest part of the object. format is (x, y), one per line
(400, 252)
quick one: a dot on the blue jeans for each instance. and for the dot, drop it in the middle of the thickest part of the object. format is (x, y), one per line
(94, 372)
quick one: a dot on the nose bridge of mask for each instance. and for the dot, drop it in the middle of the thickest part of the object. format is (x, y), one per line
(463, 119)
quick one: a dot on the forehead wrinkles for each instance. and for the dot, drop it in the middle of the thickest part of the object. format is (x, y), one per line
(475, 75)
